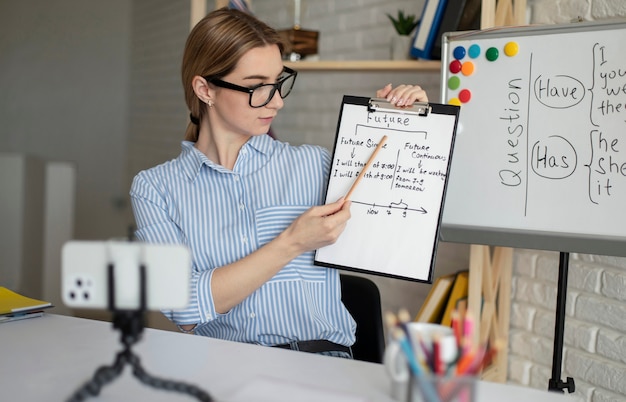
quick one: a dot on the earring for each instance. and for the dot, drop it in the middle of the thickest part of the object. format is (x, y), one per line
(209, 103)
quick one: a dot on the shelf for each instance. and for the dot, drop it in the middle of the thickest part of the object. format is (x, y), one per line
(365, 65)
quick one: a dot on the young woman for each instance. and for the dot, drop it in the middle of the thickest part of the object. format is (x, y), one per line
(248, 206)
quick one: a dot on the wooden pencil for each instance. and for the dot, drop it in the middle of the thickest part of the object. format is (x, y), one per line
(367, 165)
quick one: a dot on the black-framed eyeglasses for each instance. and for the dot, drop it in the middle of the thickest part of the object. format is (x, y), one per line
(262, 94)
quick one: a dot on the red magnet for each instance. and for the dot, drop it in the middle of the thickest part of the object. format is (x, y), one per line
(465, 95)
(455, 66)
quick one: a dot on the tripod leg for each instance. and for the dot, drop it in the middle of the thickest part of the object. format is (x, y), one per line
(167, 385)
(101, 377)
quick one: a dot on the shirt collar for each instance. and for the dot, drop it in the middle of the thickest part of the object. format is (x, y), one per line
(191, 159)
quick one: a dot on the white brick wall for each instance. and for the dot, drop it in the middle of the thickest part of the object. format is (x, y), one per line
(595, 326)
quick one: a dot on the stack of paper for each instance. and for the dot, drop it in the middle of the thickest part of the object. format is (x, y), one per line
(14, 306)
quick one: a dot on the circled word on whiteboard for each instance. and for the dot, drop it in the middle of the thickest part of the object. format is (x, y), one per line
(554, 158)
(559, 91)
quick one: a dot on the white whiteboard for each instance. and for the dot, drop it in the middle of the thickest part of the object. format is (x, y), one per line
(396, 207)
(540, 153)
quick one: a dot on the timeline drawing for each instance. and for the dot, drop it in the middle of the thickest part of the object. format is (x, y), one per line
(402, 206)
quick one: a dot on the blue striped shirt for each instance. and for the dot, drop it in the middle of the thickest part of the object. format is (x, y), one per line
(224, 215)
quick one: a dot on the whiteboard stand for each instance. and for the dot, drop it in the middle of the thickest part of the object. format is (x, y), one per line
(556, 384)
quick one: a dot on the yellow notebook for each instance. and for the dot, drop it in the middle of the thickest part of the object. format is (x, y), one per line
(15, 303)
(460, 290)
(435, 302)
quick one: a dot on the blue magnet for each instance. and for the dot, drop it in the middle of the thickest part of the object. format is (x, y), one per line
(474, 51)
(459, 52)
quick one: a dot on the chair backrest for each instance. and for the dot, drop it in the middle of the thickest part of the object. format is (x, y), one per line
(362, 299)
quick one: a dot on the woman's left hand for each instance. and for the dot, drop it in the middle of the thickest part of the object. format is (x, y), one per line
(402, 95)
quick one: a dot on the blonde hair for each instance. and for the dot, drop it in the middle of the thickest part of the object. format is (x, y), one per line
(213, 48)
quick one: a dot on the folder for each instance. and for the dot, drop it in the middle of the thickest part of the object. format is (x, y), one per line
(460, 291)
(13, 304)
(452, 14)
(428, 29)
(433, 307)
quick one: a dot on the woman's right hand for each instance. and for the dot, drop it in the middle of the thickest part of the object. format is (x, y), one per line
(319, 226)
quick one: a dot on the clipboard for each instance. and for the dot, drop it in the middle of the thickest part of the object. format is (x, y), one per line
(398, 204)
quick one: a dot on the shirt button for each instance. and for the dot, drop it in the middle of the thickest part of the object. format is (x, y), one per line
(236, 178)
(244, 239)
(252, 315)
(242, 206)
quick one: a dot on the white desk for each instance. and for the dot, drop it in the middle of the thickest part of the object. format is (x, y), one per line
(48, 358)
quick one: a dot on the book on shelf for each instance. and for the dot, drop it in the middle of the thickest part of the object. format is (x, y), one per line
(432, 308)
(14, 306)
(470, 18)
(428, 28)
(459, 292)
(449, 23)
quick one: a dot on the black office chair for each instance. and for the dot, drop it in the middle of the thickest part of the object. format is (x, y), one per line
(362, 299)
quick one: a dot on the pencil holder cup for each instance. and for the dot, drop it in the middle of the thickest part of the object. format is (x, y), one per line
(442, 389)
(422, 335)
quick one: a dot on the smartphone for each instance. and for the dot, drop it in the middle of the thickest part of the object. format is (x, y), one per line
(85, 279)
